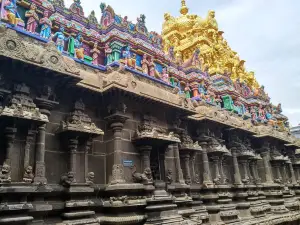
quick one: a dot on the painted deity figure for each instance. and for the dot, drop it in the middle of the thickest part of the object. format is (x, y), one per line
(60, 39)
(218, 101)
(171, 54)
(95, 54)
(152, 67)
(128, 58)
(226, 73)
(10, 7)
(261, 114)
(145, 64)
(108, 54)
(210, 97)
(187, 91)
(33, 19)
(202, 90)
(206, 72)
(46, 25)
(79, 50)
(77, 8)
(196, 60)
(126, 54)
(253, 114)
(165, 75)
(237, 85)
(107, 15)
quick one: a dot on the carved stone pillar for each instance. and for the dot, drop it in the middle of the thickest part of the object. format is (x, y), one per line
(236, 169)
(45, 105)
(194, 173)
(292, 172)
(29, 140)
(207, 180)
(118, 169)
(253, 171)
(245, 170)
(145, 151)
(10, 133)
(40, 155)
(215, 160)
(73, 144)
(179, 174)
(186, 163)
(278, 173)
(266, 156)
(86, 158)
(297, 169)
(223, 163)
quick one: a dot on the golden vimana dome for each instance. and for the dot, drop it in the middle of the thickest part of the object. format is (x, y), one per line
(189, 32)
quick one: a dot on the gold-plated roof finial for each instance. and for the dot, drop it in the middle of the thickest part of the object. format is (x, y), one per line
(183, 10)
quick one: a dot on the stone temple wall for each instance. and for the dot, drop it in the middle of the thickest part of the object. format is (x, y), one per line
(121, 155)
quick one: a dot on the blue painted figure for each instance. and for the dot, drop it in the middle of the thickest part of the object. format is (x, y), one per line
(126, 53)
(202, 90)
(46, 25)
(11, 12)
(60, 39)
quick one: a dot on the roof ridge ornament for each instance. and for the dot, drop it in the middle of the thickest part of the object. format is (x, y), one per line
(184, 9)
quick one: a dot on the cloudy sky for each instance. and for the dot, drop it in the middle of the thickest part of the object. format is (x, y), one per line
(265, 33)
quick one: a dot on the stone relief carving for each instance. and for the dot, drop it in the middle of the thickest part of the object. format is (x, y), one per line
(28, 175)
(5, 176)
(169, 177)
(79, 121)
(21, 105)
(145, 177)
(67, 179)
(90, 178)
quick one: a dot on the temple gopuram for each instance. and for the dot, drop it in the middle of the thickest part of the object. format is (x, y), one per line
(105, 122)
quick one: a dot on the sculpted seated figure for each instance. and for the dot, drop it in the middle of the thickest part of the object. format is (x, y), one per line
(28, 175)
(11, 13)
(5, 174)
(145, 177)
(128, 59)
(90, 178)
(67, 179)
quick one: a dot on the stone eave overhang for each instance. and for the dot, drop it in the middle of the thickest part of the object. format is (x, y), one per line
(24, 115)
(190, 147)
(15, 45)
(80, 130)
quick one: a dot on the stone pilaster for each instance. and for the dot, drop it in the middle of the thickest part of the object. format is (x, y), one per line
(292, 172)
(254, 172)
(207, 180)
(86, 158)
(40, 156)
(245, 179)
(266, 161)
(217, 176)
(118, 169)
(145, 152)
(28, 143)
(10, 133)
(179, 174)
(186, 163)
(236, 169)
(73, 145)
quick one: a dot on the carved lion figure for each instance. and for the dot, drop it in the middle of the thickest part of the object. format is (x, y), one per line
(67, 179)
(28, 175)
(5, 174)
